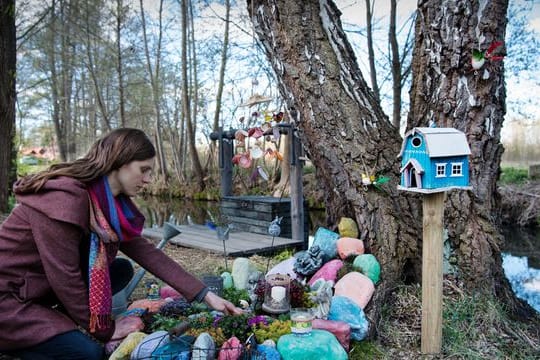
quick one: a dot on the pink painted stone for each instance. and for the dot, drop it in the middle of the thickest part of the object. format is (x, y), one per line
(168, 292)
(357, 287)
(340, 329)
(347, 246)
(231, 349)
(285, 267)
(153, 306)
(327, 272)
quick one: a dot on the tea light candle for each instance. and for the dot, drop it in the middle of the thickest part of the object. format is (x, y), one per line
(278, 293)
(301, 321)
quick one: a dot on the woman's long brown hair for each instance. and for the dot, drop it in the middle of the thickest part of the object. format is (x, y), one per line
(111, 152)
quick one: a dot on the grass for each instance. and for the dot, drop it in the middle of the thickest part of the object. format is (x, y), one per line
(474, 327)
(513, 175)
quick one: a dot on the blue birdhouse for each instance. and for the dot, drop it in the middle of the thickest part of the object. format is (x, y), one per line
(434, 160)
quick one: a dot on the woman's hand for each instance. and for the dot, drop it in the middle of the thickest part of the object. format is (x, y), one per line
(220, 304)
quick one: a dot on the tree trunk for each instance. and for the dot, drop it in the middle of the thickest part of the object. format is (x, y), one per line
(197, 167)
(447, 90)
(371, 52)
(154, 75)
(8, 61)
(223, 66)
(343, 130)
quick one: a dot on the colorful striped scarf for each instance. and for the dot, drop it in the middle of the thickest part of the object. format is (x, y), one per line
(112, 219)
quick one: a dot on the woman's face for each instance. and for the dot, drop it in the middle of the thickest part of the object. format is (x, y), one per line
(131, 177)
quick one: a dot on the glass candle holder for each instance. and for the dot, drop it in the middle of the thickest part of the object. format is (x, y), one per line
(301, 321)
(277, 294)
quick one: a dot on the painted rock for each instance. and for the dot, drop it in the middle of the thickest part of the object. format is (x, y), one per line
(347, 246)
(266, 352)
(347, 227)
(320, 344)
(368, 265)
(241, 269)
(231, 349)
(285, 267)
(204, 348)
(340, 329)
(149, 344)
(345, 309)
(227, 280)
(126, 347)
(326, 240)
(328, 271)
(357, 287)
(152, 306)
(178, 349)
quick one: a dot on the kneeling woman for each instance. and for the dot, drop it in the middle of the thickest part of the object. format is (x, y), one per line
(58, 249)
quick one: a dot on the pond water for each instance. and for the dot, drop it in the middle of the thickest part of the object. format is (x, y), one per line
(521, 251)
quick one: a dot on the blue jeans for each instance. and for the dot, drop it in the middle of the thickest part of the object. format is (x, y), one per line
(73, 345)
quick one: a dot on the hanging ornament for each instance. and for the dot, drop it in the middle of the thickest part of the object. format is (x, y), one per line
(262, 173)
(255, 132)
(275, 229)
(479, 57)
(244, 161)
(256, 152)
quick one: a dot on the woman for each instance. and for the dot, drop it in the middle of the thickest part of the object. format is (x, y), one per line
(58, 248)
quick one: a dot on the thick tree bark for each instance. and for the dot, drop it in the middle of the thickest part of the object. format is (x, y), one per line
(7, 100)
(343, 130)
(447, 90)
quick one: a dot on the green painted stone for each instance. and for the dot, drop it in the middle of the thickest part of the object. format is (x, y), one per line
(368, 265)
(227, 280)
(319, 344)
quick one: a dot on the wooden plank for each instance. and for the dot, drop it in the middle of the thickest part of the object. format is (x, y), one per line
(432, 273)
(240, 243)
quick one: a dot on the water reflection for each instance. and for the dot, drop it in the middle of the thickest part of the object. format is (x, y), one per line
(521, 251)
(521, 264)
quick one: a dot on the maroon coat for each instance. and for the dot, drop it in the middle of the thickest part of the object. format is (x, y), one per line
(44, 262)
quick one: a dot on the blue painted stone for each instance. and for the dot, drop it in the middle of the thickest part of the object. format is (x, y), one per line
(177, 349)
(266, 352)
(345, 309)
(327, 241)
(319, 344)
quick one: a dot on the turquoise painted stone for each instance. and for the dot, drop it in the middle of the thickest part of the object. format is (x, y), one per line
(179, 348)
(319, 344)
(368, 265)
(327, 241)
(227, 280)
(345, 309)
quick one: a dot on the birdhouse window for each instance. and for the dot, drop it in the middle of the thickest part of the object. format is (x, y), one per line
(416, 141)
(457, 169)
(441, 170)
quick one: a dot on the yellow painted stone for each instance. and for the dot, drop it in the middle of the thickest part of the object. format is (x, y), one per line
(347, 227)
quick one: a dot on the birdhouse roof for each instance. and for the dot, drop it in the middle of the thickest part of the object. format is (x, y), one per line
(440, 141)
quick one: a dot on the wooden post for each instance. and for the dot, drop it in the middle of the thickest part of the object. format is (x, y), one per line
(297, 192)
(432, 274)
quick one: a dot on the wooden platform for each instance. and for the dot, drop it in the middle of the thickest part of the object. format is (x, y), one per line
(240, 243)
